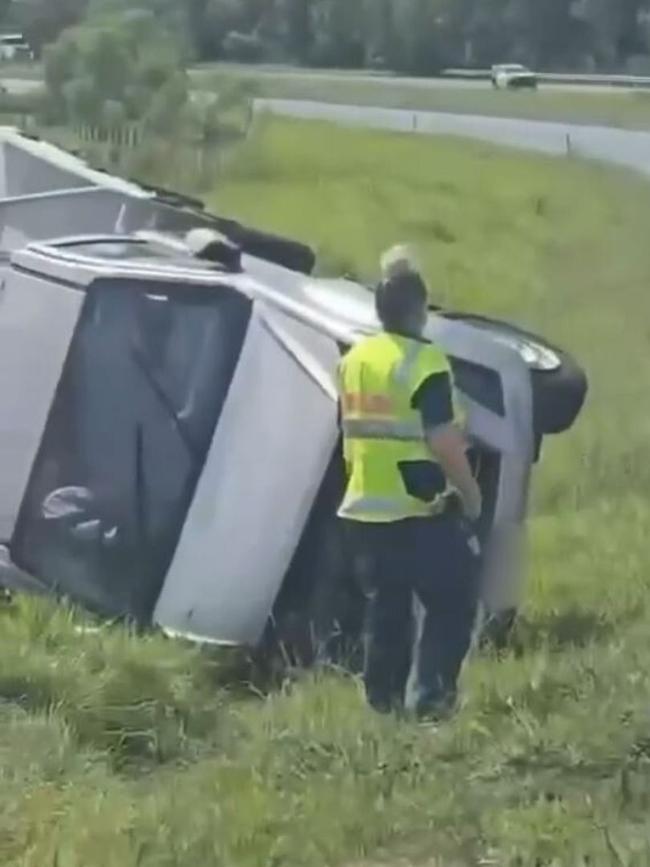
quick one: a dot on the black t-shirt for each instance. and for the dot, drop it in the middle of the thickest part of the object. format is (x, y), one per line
(434, 401)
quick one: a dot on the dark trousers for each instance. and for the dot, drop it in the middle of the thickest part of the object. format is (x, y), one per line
(432, 559)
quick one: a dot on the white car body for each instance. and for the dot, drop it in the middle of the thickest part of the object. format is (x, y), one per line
(508, 76)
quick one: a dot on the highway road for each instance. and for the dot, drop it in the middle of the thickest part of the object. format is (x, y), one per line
(342, 77)
(19, 86)
(627, 148)
(25, 85)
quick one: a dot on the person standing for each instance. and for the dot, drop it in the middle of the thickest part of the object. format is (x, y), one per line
(410, 502)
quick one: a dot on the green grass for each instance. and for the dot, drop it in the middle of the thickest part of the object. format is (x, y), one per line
(122, 750)
(626, 109)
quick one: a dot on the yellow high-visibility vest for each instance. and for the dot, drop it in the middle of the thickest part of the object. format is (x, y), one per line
(378, 379)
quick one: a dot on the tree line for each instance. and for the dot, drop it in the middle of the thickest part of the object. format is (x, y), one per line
(411, 36)
(118, 79)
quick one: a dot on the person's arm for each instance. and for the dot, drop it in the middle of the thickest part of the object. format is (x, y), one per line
(434, 400)
(448, 447)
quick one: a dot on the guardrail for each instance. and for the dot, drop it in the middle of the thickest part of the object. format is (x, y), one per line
(629, 81)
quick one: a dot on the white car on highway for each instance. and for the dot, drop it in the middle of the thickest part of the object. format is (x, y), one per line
(512, 75)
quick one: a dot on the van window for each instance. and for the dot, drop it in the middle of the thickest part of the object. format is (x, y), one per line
(146, 377)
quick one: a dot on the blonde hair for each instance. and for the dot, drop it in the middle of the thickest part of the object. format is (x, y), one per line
(199, 240)
(398, 260)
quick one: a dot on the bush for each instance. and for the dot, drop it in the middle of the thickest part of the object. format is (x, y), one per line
(108, 59)
(82, 100)
(154, 72)
(136, 100)
(113, 114)
(167, 104)
(61, 60)
(20, 103)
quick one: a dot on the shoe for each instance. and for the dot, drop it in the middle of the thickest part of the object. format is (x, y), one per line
(497, 630)
(434, 713)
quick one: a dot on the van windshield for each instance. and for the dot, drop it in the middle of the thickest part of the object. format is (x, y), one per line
(146, 378)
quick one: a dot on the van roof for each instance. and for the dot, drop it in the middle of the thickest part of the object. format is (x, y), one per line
(306, 298)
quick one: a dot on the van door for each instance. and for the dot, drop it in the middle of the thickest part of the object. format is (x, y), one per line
(271, 449)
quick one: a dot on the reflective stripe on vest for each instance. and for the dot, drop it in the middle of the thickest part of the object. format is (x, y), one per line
(388, 506)
(376, 429)
(403, 373)
(382, 431)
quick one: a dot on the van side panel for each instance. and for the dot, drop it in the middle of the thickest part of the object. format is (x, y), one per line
(271, 449)
(37, 321)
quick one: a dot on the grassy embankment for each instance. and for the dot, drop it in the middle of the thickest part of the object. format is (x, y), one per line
(624, 108)
(118, 751)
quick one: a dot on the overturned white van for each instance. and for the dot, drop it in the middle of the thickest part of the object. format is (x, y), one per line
(168, 425)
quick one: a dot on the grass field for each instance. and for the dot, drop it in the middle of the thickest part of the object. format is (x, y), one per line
(624, 109)
(117, 751)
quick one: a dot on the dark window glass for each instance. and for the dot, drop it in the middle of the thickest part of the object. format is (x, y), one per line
(480, 383)
(143, 387)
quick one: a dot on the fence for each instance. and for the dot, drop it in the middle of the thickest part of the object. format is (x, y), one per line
(188, 162)
(127, 135)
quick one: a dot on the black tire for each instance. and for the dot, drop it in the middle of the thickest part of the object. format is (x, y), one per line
(286, 252)
(523, 84)
(559, 396)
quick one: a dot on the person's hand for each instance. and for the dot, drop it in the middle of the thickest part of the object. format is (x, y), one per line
(475, 545)
(473, 504)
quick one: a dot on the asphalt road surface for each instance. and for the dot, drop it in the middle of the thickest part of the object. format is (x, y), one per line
(343, 77)
(19, 86)
(25, 85)
(627, 148)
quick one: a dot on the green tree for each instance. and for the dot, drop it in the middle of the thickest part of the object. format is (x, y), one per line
(339, 33)
(221, 18)
(298, 28)
(383, 45)
(417, 36)
(43, 21)
(167, 105)
(5, 9)
(108, 61)
(126, 59)
(61, 64)
(616, 28)
(82, 101)
(424, 30)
